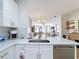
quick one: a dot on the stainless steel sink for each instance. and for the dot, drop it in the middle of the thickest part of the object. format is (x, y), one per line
(39, 41)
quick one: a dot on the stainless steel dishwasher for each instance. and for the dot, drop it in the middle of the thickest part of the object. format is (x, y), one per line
(63, 52)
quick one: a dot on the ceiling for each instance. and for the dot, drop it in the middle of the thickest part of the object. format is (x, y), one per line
(51, 7)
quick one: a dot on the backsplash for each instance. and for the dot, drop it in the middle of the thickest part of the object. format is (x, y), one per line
(22, 33)
(4, 31)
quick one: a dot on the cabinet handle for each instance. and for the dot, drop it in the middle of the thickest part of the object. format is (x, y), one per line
(11, 23)
(4, 55)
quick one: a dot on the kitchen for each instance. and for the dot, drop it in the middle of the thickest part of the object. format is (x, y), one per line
(26, 33)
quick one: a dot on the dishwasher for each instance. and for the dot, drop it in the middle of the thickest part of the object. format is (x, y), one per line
(63, 52)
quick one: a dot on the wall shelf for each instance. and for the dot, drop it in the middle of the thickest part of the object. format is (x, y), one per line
(69, 23)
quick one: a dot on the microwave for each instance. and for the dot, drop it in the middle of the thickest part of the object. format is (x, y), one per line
(13, 34)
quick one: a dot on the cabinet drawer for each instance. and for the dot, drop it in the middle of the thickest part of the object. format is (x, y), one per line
(4, 51)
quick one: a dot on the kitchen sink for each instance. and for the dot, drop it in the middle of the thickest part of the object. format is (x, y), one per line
(39, 41)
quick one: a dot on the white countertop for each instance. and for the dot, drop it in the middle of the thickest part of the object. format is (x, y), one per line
(53, 41)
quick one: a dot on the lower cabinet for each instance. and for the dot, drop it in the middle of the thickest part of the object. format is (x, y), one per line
(20, 51)
(7, 53)
(27, 52)
(31, 51)
(46, 52)
(12, 52)
(39, 52)
(4, 54)
(46, 56)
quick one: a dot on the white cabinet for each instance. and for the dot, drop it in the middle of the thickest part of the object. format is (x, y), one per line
(39, 52)
(46, 52)
(8, 13)
(28, 52)
(11, 52)
(19, 49)
(7, 53)
(31, 51)
(4, 54)
(13, 12)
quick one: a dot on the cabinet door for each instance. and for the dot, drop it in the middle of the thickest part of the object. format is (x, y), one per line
(31, 51)
(12, 52)
(9, 12)
(4, 54)
(18, 50)
(46, 52)
(14, 13)
(31, 55)
(8, 53)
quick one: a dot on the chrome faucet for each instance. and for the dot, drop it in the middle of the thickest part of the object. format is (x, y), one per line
(40, 35)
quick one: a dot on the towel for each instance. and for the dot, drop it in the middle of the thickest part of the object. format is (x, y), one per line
(22, 54)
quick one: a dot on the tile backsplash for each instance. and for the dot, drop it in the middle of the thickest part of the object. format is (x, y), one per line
(4, 31)
(22, 33)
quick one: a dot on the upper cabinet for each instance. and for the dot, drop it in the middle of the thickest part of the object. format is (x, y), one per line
(8, 13)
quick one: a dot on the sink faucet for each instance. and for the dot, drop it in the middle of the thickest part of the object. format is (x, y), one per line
(40, 35)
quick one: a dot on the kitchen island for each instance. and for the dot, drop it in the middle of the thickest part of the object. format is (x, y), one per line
(35, 50)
